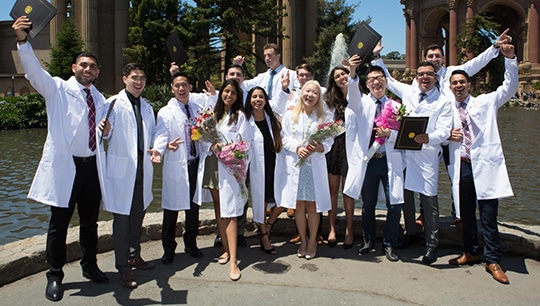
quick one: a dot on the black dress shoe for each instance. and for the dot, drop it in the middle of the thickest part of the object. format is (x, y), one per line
(94, 274)
(194, 252)
(430, 256)
(217, 242)
(390, 254)
(54, 291)
(367, 247)
(241, 242)
(167, 259)
(407, 241)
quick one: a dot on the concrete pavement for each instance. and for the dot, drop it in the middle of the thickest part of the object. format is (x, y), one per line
(336, 276)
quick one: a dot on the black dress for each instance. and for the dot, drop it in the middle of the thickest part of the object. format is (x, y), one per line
(269, 160)
(336, 158)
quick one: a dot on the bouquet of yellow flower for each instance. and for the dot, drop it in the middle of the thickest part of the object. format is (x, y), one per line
(204, 127)
(324, 131)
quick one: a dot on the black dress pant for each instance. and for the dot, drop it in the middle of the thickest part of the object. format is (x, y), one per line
(170, 218)
(86, 195)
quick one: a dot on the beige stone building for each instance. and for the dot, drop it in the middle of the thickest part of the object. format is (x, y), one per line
(439, 21)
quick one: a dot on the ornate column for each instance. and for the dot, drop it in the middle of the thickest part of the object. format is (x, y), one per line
(407, 40)
(59, 20)
(452, 49)
(413, 41)
(470, 9)
(533, 31)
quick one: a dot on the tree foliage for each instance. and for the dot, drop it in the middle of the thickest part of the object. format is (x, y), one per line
(394, 55)
(63, 53)
(478, 34)
(335, 17)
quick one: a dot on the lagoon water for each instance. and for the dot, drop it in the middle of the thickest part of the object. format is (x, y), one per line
(21, 150)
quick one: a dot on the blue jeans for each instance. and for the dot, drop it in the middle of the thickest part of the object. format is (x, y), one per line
(377, 172)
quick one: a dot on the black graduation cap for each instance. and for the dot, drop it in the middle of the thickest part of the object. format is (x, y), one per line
(410, 127)
(363, 41)
(40, 13)
(176, 50)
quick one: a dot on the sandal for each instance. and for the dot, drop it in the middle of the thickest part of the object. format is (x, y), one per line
(271, 251)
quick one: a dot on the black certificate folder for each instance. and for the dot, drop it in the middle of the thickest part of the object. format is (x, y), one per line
(409, 128)
(176, 50)
(40, 13)
(364, 41)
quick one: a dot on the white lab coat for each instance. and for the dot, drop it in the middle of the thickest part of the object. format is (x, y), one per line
(423, 165)
(231, 199)
(487, 159)
(287, 174)
(359, 118)
(172, 123)
(471, 67)
(257, 171)
(66, 106)
(122, 154)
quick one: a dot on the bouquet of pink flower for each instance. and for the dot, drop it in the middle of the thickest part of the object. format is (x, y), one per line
(204, 127)
(390, 118)
(324, 131)
(234, 156)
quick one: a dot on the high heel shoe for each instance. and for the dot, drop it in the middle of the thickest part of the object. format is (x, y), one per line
(271, 251)
(332, 243)
(310, 256)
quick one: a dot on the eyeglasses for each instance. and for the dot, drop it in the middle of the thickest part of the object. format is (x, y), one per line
(304, 75)
(379, 78)
(138, 78)
(428, 73)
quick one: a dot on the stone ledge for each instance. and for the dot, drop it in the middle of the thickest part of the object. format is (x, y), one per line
(25, 257)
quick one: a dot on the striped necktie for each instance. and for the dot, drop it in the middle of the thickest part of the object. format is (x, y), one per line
(91, 120)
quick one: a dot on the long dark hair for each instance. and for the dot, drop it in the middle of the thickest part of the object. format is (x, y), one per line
(274, 122)
(219, 109)
(334, 97)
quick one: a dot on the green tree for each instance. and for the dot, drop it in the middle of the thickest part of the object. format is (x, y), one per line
(152, 21)
(335, 17)
(63, 53)
(394, 55)
(478, 34)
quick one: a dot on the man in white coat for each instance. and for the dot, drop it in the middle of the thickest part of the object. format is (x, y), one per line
(173, 144)
(385, 167)
(128, 185)
(477, 165)
(68, 173)
(422, 166)
(434, 54)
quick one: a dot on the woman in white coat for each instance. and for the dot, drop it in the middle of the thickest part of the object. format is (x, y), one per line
(296, 186)
(225, 191)
(265, 146)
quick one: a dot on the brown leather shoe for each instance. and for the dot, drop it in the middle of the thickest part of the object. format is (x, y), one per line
(290, 213)
(420, 220)
(127, 280)
(464, 259)
(497, 272)
(295, 239)
(140, 264)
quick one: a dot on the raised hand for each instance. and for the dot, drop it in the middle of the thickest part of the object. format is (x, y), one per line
(503, 39)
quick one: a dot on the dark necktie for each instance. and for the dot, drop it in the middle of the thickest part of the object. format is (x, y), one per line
(422, 96)
(270, 83)
(192, 150)
(138, 118)
(465, 130)
(91, 120)
(378, 111)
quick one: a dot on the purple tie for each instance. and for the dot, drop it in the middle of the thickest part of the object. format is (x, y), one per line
(466, 131)
(91, 120)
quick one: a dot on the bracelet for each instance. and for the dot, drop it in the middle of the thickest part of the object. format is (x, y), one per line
(496, 46)
(377, 56)
(22, 41)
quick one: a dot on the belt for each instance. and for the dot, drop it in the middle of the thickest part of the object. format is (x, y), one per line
(379, 155)
(88, 159)
(465, 159)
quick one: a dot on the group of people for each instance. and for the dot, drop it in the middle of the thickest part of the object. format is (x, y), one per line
(274, 114)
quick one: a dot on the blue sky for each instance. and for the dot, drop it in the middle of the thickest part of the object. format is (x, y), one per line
(387, 19)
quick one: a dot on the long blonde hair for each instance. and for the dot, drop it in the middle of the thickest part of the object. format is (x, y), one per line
(299, 108)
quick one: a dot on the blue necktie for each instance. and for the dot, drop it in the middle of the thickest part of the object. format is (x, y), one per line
(270, 83)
